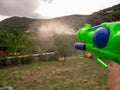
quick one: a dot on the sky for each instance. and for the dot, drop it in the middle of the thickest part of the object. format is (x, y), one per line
(51, 8)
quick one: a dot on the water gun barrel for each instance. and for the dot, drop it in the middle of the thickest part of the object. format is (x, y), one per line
(102, 40)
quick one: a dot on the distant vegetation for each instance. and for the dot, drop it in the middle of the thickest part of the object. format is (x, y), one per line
(21, 23)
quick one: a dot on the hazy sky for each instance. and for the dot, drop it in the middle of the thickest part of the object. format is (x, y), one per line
(51, 8)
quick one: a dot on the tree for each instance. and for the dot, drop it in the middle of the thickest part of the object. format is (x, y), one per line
(64, 45)
(15, 41)
(4, 40)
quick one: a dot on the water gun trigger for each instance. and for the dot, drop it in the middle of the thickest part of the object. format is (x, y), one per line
(104, 65)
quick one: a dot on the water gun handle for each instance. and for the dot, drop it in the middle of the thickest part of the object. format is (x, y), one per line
(104, 65)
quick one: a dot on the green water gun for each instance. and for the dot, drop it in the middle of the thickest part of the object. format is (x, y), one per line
(102, 40)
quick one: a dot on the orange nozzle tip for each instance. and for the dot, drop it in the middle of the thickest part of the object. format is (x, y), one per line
(77, 34)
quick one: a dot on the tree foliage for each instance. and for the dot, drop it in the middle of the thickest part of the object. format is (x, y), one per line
(14, 42)
(64, 45)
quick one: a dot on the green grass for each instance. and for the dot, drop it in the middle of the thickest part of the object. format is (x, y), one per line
(73, 74)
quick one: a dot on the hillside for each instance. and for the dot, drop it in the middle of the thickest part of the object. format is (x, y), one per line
(73, 21)
(15, 23)
(107, 15)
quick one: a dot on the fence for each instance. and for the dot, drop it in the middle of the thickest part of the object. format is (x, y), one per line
(25, 59)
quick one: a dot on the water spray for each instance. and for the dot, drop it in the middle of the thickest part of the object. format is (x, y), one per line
(70, 33)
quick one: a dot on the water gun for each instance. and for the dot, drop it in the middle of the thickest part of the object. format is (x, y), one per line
(102, 40)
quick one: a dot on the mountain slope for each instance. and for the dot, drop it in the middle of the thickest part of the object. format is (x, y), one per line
(15, 23)
(73, 21)
(107, 15)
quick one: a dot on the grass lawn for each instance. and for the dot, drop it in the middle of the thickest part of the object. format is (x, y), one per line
(73, 74)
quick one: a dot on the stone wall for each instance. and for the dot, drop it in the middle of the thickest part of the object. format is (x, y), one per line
(26, 59)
